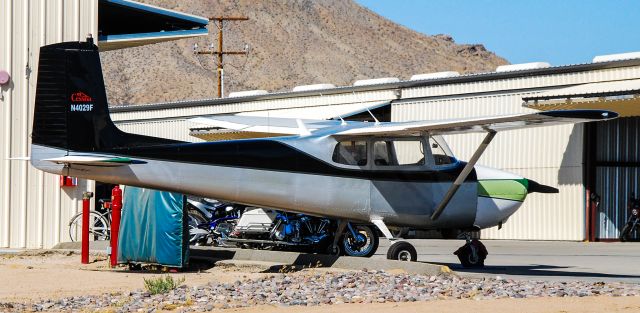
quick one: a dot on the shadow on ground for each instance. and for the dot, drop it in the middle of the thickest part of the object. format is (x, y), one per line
(535, 270)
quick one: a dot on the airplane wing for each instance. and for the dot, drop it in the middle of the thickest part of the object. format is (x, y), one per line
(481, 124)
(263, 124)
(89, 160)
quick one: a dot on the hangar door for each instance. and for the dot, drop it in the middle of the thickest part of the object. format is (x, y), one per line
(616, 170)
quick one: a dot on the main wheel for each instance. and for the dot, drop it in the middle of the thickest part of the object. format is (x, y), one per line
(364, 244)
(626, 232)
(402, 251)
(98, 226)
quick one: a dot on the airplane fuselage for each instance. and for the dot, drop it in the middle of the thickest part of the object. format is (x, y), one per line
(298, 174)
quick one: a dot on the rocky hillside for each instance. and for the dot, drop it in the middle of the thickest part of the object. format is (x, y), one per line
(292, 42)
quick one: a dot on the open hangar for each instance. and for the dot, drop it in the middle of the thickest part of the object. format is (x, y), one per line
(578, 159)
(35, 208)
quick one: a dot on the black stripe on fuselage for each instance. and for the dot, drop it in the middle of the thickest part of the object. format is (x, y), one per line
(276, 156)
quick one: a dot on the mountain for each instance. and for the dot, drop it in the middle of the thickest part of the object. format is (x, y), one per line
(292, 42)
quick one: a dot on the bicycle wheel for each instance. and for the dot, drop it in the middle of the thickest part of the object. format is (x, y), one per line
(99, 227)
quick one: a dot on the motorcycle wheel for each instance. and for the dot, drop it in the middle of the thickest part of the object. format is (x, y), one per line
(352, 247)
(626, 231)
(194, 218)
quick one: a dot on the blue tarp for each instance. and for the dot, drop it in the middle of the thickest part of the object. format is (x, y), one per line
(153, 228)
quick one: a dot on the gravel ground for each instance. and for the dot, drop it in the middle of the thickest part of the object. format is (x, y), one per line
(325, 288)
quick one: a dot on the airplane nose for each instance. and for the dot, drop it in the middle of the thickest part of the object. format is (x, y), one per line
(500, 194)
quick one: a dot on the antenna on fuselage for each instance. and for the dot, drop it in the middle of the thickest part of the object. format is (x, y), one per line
(374, 117)
(343, 122)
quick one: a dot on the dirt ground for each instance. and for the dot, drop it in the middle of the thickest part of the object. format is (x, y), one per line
(37, 276)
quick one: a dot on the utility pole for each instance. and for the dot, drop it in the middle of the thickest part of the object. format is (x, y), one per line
(219, 22)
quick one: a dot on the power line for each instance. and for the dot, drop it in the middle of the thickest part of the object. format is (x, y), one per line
(219, 22)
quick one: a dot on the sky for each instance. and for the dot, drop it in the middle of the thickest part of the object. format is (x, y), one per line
(556, 31)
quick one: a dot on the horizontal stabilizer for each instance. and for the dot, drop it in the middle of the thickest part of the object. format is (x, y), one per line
(89, 160)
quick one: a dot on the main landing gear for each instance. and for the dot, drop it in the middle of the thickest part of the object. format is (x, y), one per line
(399, 250)
(402, 251)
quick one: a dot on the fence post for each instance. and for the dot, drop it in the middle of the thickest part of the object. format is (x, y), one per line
(116, 210)
(84, 255)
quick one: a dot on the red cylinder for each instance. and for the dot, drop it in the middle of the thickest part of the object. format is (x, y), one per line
(116, 210)
(84, 253)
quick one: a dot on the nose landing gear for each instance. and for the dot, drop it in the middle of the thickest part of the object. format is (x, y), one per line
(472, 254)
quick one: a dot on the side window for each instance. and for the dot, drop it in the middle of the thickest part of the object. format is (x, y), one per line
(441, 153)
(398, 152)
(381, 153)
(351, 153)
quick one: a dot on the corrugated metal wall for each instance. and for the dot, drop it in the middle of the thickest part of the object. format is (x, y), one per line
(550, 155)
(617, 173)
(34, 210)
(271, 104)
(178, 128)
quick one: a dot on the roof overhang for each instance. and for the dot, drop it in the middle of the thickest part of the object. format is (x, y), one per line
(329, 112)
(126, 23)
(621, 96)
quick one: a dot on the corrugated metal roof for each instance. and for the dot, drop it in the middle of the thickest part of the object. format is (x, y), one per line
(573, 68)
(603, 89)
(621, 96)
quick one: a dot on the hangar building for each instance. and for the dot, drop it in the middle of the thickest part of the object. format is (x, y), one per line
(34, 208)
(579, 160)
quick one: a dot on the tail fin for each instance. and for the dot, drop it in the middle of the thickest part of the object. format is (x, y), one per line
(71, 110)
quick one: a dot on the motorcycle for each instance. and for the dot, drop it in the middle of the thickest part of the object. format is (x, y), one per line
(211, 219)
(634, 219)
(267, 229)
(233, 225)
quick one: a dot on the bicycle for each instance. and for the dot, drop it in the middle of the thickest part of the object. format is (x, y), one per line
(100, 227)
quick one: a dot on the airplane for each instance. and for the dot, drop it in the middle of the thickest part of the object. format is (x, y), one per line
(389, 174)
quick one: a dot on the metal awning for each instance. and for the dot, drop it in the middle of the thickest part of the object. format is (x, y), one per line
(316, 113)
(622, 96)
(126, 23)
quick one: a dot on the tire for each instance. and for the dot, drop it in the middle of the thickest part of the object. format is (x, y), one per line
(197, 214)
(351, 247)
(195, 218)
(402, 251)
(100, 228)
(468, 258)
(626, 231)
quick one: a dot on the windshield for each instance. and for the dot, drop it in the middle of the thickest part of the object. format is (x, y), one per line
(442, 155)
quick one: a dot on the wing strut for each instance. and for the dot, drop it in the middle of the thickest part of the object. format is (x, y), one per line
(463, 175)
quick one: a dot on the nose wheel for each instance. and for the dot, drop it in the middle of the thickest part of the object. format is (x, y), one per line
(472, 254)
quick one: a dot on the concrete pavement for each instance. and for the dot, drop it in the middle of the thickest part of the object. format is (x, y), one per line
(539, 260)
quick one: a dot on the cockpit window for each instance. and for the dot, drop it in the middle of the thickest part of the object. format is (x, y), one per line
(398, 152)
(351, 153)
(442, 155)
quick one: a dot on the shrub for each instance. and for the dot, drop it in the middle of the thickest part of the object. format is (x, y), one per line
(161, 284)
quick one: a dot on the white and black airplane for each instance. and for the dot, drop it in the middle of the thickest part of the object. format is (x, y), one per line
(386, 174)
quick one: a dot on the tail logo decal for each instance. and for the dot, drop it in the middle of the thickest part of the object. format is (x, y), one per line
(80, 97)
(83, 98)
